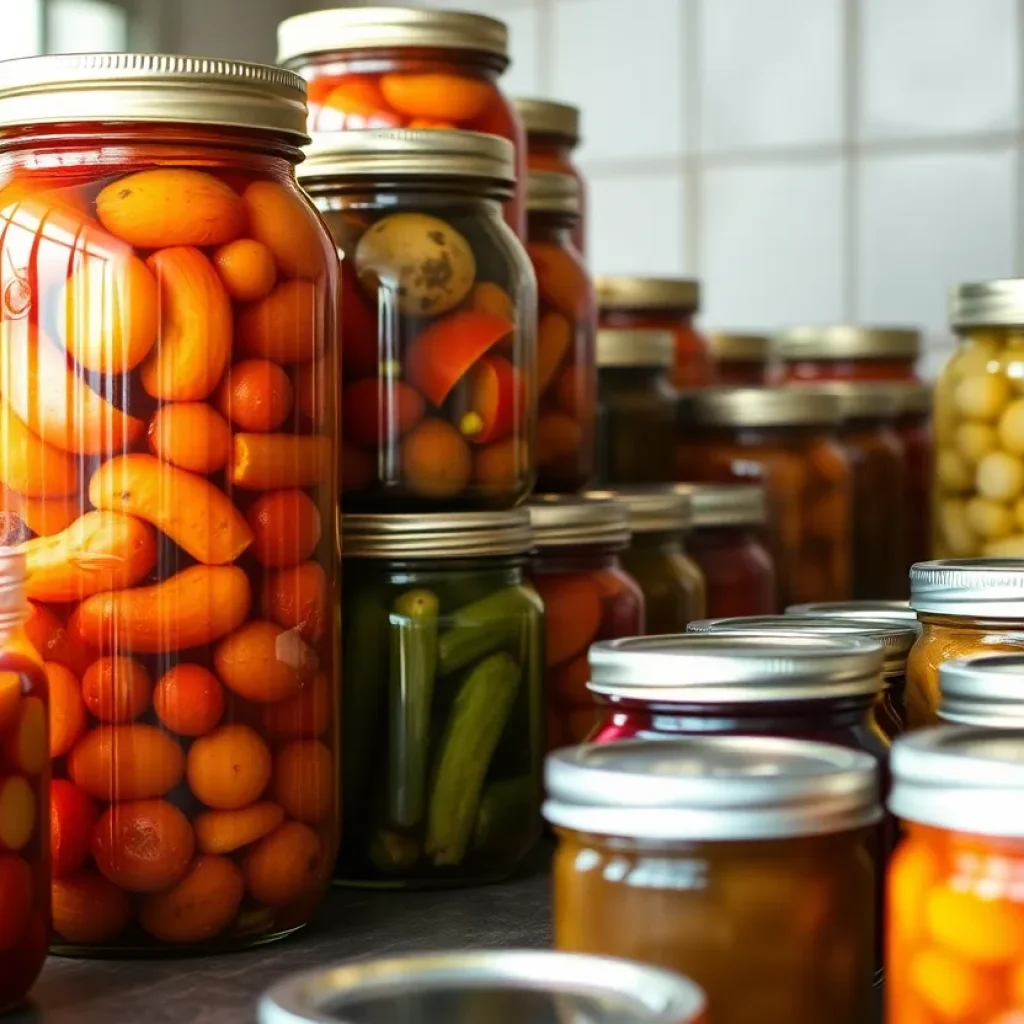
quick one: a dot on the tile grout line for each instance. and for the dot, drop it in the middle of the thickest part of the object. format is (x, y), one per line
(545, 45)
(851, 157)
(692, 168)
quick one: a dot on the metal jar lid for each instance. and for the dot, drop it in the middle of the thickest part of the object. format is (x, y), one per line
(700, 668)
(741, 348)
(987, 304)
(657, 509)
(960, 777)
(436, 535)
(839, 342)
(626, 348)
(152, 89)
(628, 292)
(577, 521)
(13, 574)
(345, 29)
(492, 987)
(911, 397)
(881, 610)
(859, 401)
(758, 407)
(711, 788)
(551, 192)
(977, 588)
(727, 504)
(545, 117)
(983, 691)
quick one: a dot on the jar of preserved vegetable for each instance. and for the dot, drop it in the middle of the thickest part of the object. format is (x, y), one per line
(743, 360)
(742, 863)
(168, 449)
(587, 596)
(407, 67)
(726, 541)
(983, 691)
(898, 610)
(845, 352)
(913, 426)
(636, 408)
(784, 438)
(566, 324)
(955, 934)
(443, 713)
(438, 312)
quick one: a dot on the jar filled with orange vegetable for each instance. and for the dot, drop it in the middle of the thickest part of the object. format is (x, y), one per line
(846, 352)
(566, 324)
(588, 596)
(660, 304)
(407, 67)
(984, 690)
(955, 929)
(168, 455)
(438, 313)
(743, 360)
(913, 426)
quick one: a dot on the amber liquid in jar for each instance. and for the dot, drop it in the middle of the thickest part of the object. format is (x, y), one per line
(548, 152)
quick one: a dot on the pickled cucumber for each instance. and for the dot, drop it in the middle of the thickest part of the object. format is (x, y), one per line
(491, 624)
(505, 807)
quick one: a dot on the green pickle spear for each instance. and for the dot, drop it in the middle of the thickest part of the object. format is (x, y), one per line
(490, 624)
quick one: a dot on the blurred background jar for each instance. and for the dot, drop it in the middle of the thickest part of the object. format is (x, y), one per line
(743, 360)
(438, 411)
(407, 67)
(913, 426)
(847, 352)
(984, 691)
(566, 372)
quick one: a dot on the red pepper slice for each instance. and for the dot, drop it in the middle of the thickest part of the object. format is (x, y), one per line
(496, 400)
(379, 410)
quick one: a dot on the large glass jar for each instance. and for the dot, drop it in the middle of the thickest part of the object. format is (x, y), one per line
(168, 445)
(566, 325)
(784, 438)
(726, 540)
(636, 408)
(443, 708)
(983, 691)
(845, 352)
(438, 314)
(407, 67)
(913, 426)
(743, 360)
(587, 595)
(955, 930)
(660, 304)
(742, 863)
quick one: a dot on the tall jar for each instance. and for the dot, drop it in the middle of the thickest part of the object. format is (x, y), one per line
(552, 134)
(566, 325)
(438, 314)
(743, 360)
(168, 447)
(577, 569)
(443, 710)
(407, 67)
(742, 863)
(786, 439)
(845, 352)
(913, 426)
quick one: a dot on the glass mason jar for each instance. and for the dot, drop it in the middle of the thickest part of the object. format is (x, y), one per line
(726, 541)
(407, 67)
(913, 426)
(742, 863)
(443, 713)
(983, 691)
(743, 360)
(845, 352)
(955, 930)
(566, 325)
(899, 610)
(659, 304)
(438, 314)
(636, 408)
(168, 446)
(784, 438)
(587, 596)
(552, 133)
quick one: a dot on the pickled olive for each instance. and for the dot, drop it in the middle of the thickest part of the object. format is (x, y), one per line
(255, 395)
(247, 269)
(436, 96)
(190, 435)
(436, 461)
(1000, 476)
(989, 519)
(974, 440)
(495, 398)
(953, 471)
(283, 325)
(982, 397)
(263, 462)
(282, 220)
(264, 663)
(30, 466)
(375, 409)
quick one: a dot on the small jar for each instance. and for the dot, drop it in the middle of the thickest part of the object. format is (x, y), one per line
(741, 863)
(438, 312)
(913, 426)
(983, 691)
(588, 596)
(407, 67)
(443, 715)
(636, 408)
(743, 360)
(845, 352)
(786, 439)
(660, 304)
(726, 540)
(552, 134)
(956, 925)
(898, 610)
(566, 325)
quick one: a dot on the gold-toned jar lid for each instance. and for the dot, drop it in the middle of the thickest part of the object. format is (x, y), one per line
(13, 574)
(551, 192)
(726, 504)
(987, 304)
(731, 347)
(858, 400)
(758, 407)
(153, 89)
(545, 117)
(911, 396)
(345, 29)
(629, 292)
(656, 509)
(983, 691)
(577, 521)
(838, 342)
(436, 535)
(635, 348)
(976, 588)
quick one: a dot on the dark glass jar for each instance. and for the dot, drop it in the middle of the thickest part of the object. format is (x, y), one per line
(443, 714)
(845, 352)
(913, 426)
(743, 360)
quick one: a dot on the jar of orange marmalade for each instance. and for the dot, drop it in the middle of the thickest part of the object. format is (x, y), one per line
(844, 352)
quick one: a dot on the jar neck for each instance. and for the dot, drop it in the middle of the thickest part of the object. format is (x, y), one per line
(582, 558)
(549, 144)
(643, 316)
(741, 533)
(668, 542)
(480, 198)
(770, 434)
(551, 228)
(499, 571)
(420, 58)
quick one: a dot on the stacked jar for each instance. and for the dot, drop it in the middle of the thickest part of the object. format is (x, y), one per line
(168, 450)
(743, 360)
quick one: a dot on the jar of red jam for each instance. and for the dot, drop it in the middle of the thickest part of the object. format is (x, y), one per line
(406, 67)
(913, 426)
(846, 352)
(743, 360)
(660, 304)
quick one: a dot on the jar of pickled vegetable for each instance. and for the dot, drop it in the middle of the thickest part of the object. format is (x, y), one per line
(566, 324)
(726, 540)
(168, 453)
(913, 426)
(443, 712)
(552, 133)
(743, 360)
(587, 596)
(955, 929)
(845, 352)
(742, 863)
(636, 408)
(983, 691)
(660, 304)
(786, 439)
(438, 312)
(407, 67)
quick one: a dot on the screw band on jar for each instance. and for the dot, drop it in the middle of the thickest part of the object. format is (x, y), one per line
(859, 401)
(845, 342)
(759, 407)
(655, 509)
(550, 192)
(899, 610)
(727, 504)
(647, 293)
(979, 588)
(625, 348)
(559, 522)
(545, 117)
(983, 691)
(453, 535)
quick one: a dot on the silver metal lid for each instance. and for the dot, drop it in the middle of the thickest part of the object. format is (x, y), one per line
(727, 504)
(656, 509)
(545, 117)
(631, 292)
(559, 521)
(729, 347)
(701, 668)
(987, 304)
(436, 535)
(984, 691)
(982, 588)
(875, 400)
(882, 610)
(758, 407)
(13, 574)
(635, 348)
(711, 788)
(551, 192)
(960, 777)
(839, 342)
